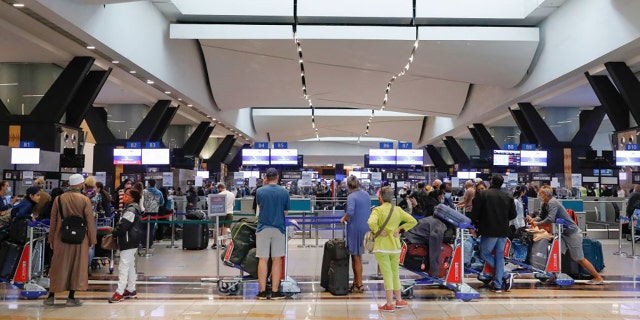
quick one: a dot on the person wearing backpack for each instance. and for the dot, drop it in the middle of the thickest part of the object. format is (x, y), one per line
(69, 271)
(128, 230)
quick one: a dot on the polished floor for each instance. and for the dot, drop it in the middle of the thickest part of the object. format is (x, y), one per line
(178, 284)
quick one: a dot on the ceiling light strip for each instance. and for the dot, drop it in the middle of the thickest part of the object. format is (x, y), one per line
(391, 81)
(304, 83)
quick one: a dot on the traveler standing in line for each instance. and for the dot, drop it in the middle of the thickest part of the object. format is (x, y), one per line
(128, 232)
(153, 200)
(24, 208)
(492, 210)
(467, 199)
(386, 247)
(357, 213)
(102, 200)
(126, 184)
(274, 203)
(69, 271)
(571, 235)
(229, 202)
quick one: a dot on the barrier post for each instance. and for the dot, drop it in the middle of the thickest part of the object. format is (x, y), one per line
(620, 252)
(173, 233)
(147, 254)
(632, 226)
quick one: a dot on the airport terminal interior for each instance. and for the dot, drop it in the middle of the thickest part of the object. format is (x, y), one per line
(192, 93)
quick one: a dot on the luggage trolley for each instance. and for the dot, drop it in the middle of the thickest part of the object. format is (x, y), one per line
(454, 278)
(288, 286)
(103, 257)
(29, 275)
(552, 269)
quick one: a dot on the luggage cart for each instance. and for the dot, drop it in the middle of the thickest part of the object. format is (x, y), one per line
(29, 276)
(454, 279)
(552, 270)
(103, 257)
(288, 286)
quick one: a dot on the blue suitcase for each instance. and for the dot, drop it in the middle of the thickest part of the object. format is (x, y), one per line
(593, 252)
(450, 216)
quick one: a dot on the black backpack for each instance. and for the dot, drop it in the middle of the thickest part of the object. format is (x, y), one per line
(73, 229)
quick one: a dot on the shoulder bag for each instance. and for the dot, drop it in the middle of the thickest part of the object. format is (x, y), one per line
(109, 242)
(370, 237)
(73, 229)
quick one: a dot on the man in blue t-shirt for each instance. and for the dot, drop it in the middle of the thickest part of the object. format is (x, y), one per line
(273, 201)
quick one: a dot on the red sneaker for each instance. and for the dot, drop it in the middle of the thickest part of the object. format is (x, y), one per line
(402, 304)
(116, 298)
(386, 308)
(130, 294)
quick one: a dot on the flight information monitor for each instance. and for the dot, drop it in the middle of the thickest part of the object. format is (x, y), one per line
(127, 156)
(255, 157)
(627, 158)
(25, 155)
(408, 157)
(536, 158)
(383, 157)
(284, 157)
(506, 158)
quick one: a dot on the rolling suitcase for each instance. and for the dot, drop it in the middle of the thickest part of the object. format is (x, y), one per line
(335, 249)
(593, 252)
(444, 260)
(338, 277)
(570, 267)
(450, 216)
(9, 259)
(195, 236)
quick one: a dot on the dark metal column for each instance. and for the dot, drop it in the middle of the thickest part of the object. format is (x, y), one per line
(190, 146)
(84, 98)
(221, 153)
(236, 162)
(477, 138)
(588, 127)
(436, 158)
(150, 122)
(55, 101)
(163, 124)
(543, 133)
(485, 136)
(526, 131)
(456, 151)
(627, 84)
(97, 121)
(614, 105)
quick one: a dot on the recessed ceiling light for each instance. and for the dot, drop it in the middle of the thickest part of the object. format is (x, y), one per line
(214, 119)
(91, 47)
(167, 92)
(115, 61)
(179, 99)
(150, 82)
(132, 72)
(18, 5)
(189, 105)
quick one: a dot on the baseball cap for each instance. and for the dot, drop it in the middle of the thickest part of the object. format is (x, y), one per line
(271, 173)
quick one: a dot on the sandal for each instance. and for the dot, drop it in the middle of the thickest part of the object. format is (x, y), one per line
(356, 289)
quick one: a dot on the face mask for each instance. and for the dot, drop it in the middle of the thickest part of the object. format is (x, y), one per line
(8, 190)
(442, 201)
(447, 195)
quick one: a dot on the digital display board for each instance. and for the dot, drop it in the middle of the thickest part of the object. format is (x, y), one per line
(408, 157)
(627, 158)
(284, 157)
(506, 158)
(255, 157)
(382, 156)
(127, 156)
(25, 155)
(155, 156)
(536, 158)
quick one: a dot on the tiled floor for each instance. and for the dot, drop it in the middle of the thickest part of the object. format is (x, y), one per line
(173, 284)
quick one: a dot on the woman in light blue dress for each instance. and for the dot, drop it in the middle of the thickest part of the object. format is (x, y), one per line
(357, 213)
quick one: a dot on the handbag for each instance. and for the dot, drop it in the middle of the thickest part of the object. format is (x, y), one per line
(417, 249)
(370, 237)
(109, 242)
(73, 229)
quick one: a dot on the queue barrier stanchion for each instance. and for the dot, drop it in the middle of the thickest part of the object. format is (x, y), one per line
(173, 230)
(632, 226)
(620, 252)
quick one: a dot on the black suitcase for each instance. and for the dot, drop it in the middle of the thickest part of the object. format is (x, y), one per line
(195, 236)
(9, 259)
(338, 277)
(18, 231)
(570, 267)
(335, 249)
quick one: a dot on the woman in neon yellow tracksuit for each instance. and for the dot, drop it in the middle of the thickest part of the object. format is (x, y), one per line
(386, 247)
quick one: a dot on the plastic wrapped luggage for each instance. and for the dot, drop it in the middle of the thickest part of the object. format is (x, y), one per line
(243, 239)
(334, 274)
(450, 216)
(539, 254)
(18, 230)
(519, 250)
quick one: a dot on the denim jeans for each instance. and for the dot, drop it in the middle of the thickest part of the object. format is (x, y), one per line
(496, 261)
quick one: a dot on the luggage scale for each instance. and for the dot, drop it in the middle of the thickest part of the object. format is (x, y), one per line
(454, 279)
(553, 265)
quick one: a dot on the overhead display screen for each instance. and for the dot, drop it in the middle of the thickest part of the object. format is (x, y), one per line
(284, 157)
(127, 156)
(255, 157)
(155, 156)
(408, 157)
(537, 158)
(627, 158)
(25, 155)
(506, 158)
(382, 156)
